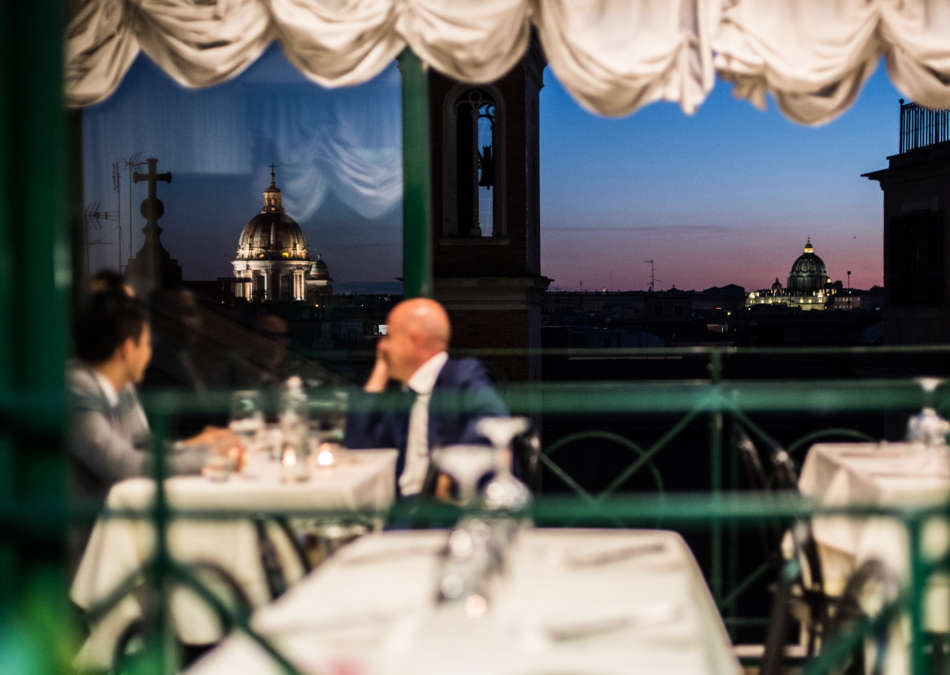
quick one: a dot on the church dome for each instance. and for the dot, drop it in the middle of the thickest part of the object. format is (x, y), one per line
(272, 234)
(319, 269)
(808, 273)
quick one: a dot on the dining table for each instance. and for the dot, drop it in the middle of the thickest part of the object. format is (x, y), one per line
(895, 474)
(119, 548)
(564, 601)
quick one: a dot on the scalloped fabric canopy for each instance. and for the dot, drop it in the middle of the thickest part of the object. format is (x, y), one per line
(613, 56)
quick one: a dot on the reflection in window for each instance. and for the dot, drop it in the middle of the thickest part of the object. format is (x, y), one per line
(475, 134)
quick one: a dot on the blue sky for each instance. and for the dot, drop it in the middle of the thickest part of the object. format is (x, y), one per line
(727, 195)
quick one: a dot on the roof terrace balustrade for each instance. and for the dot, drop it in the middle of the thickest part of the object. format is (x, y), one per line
(922, 127)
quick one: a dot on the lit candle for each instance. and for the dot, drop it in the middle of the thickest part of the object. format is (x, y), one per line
(290, 458)
(325, 457)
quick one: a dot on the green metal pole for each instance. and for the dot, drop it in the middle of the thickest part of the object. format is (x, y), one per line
(34, 278)
(417, 178)
(7, 284)
(715, 479)
(161, 645)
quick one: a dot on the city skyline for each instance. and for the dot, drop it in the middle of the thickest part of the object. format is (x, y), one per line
(728, 195)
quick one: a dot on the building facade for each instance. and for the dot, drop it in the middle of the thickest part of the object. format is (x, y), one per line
(916, 186)
(273, 262)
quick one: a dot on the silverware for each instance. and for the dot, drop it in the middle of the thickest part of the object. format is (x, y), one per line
(580, 631)
(651, 615)
(582, 560)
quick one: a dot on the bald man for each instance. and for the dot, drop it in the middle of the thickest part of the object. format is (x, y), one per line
(414, 352)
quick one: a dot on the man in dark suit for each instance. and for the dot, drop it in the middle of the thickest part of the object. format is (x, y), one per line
(442, 401)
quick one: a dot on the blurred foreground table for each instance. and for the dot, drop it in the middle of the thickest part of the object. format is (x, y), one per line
(119, 547)
(571, 601)
(886, 474)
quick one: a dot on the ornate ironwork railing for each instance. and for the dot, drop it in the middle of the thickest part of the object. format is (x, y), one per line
(922, 127)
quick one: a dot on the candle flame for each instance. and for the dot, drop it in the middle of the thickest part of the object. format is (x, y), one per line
(290, 458)
(325, 458)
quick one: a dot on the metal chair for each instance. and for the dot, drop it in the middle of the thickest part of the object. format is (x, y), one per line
(808, 603)
(131, 642)
(873, 583)
(526, 449)
(270, 560)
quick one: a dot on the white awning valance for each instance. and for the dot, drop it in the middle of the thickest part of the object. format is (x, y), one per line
(613, 56)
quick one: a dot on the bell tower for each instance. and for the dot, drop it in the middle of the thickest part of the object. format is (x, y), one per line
(486, 212)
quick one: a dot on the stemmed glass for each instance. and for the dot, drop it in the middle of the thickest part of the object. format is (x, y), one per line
(927, 427)
(247, 417)
(504, 492)
(466, 464)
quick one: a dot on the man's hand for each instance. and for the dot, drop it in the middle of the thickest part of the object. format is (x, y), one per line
(223, 442)
(380, 376)
(443, 487)
(214, 435)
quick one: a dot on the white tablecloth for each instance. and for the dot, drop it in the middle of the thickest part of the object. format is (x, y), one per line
(119, 547)
(369, 610)
(902, 474)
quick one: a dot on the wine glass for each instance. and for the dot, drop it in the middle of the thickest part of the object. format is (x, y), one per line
(505, 496)
(927, 427)
(504, 492)
(247, 416)
(466, 464)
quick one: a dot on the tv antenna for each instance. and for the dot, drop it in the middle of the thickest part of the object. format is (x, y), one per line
(132, 162)
(653, 278)
(93, 215)
(118, 215)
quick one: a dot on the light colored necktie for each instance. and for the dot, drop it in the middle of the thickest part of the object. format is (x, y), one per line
(417, 446)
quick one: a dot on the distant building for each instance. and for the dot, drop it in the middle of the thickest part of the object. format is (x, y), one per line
(272, 262)
(916, 219)
(808, 288)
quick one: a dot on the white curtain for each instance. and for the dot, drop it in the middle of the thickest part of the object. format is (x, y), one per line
(613, 56)
(814, 55)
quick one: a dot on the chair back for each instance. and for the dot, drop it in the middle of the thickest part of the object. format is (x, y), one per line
(872, 585)
(751, 462)
(526, 455)
(773, 658)
(129, 647)
(271, 563)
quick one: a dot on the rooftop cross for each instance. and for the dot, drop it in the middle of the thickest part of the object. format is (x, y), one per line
(152, 176)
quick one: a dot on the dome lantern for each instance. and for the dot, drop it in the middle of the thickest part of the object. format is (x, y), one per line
(272, 196)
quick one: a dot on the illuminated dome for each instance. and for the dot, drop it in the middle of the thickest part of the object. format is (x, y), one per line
(808, 273)
(272, 264)
(272, 234)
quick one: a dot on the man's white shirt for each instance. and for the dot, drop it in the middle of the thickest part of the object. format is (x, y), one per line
(112, 397)
(417, 443)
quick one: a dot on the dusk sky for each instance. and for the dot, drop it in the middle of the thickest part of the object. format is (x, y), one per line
(727, 195)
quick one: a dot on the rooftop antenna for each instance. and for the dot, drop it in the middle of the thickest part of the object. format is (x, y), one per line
(118, 214)
(132, 162)
(93, 216)
(653, 278)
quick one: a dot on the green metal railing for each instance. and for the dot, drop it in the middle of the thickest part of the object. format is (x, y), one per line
(715, 510)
